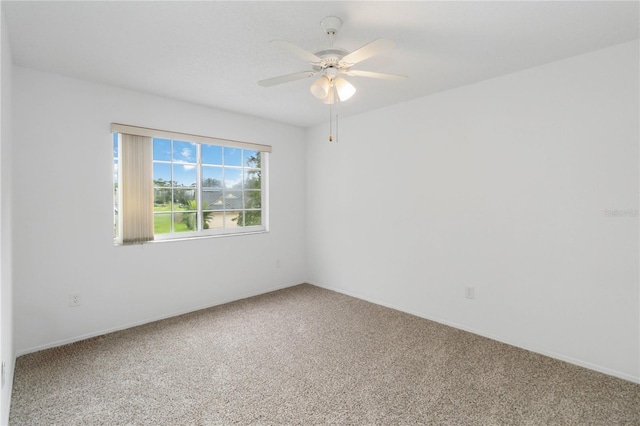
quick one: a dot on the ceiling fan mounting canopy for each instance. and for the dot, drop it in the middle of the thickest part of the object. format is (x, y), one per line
(331, 24)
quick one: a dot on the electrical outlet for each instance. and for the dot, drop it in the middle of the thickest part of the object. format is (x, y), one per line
(3, 372)
(278, 264)
(469, 292)
(75, 299)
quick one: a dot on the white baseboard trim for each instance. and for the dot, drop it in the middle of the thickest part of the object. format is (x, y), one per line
(550, 354)
(74, 339)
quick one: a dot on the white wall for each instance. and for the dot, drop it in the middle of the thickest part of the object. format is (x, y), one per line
(501, 185)
(6, 287)
(63, 215)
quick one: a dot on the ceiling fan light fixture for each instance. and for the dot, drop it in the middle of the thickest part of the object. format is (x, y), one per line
(344, 88)
(321, 87)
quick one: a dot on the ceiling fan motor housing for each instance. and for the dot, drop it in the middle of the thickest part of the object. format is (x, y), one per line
(331, 60)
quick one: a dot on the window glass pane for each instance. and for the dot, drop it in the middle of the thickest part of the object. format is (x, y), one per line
(184, 175)
(206, 217)
(115, 199)
(215, 220)
(161, 149)
(184, 199)
(231, 219)
(184, 222)
(252, 199)
(233, 200)
(115, 184)
(233, 178)
(162, 223)
(161, 174)
(232, 156)
(252, 179)
(184, 152)
(211, 154)
(162, 199)
(212, 199)
(116, 221)
(212, 177)
(252, 218)
(115, 145)
(251, 158)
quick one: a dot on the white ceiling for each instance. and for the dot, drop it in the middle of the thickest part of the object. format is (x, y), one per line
(213, 53)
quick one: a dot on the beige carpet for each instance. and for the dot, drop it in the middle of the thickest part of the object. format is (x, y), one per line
(308, 356)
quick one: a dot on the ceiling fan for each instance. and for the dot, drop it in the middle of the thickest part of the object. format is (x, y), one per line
(333, 64)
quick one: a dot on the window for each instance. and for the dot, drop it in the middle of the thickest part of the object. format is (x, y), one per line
(199, 186)
(116, 157)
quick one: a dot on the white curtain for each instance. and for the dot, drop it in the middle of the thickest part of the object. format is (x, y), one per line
(136, 161)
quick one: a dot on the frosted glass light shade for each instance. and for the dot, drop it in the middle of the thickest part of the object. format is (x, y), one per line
(331, 96)
(321, 87)
(344, 88)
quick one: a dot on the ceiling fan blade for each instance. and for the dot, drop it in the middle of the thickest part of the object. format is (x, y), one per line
(357, 73)
(365, 52)
(286, 78)
(298, 51)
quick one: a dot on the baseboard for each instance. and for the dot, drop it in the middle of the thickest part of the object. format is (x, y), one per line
(550, 354)
(148, 320)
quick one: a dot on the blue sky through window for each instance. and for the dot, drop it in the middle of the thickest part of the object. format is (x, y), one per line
(116, 157)
(211, 154)
(184, 152)
(183, 155)
(161, 149)
(232, 156)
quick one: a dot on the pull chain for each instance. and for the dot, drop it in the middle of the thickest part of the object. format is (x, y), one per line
(330, 122)
(331, 35)
(337, 100)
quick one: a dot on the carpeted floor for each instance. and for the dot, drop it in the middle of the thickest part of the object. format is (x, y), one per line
(308, 356)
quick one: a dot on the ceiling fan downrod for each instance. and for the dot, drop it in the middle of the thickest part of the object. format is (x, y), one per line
(331, 25)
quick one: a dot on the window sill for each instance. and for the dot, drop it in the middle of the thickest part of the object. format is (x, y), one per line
(195, 237)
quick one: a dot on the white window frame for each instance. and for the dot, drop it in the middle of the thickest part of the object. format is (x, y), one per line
(263, 150)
